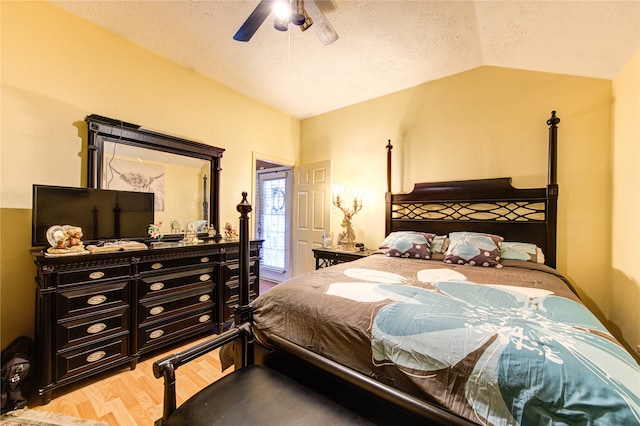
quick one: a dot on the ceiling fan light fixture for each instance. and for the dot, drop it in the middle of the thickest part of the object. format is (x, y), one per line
(298, 14)
(282, 10)
(280, 24)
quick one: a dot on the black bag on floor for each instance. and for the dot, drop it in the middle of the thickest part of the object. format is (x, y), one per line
(16, 380)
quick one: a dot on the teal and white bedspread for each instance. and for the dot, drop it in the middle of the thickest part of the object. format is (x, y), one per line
(509, 346)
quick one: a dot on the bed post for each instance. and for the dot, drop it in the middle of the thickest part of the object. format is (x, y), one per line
(240, 334)
(387, 197)
(243, 314)
(214, 198)
(553, 148)
(552, 190)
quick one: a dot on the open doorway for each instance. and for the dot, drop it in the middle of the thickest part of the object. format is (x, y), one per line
(273, 219)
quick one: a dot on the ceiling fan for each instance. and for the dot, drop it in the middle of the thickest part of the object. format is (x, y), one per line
(302, 13)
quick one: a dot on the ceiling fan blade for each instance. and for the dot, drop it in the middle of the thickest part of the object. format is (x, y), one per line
(253, 22)
(322, 27)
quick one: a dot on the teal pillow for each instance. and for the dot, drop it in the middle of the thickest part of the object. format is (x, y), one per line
(439, 244)
(526, 252)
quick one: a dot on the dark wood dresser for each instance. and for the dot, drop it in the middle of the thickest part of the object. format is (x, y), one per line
(98, 311)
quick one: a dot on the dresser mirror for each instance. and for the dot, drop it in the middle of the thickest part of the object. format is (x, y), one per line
(184, 175)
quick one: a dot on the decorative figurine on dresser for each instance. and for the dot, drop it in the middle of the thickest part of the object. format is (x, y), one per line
(107, 293)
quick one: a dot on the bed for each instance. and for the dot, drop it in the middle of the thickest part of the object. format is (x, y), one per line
(459, 318)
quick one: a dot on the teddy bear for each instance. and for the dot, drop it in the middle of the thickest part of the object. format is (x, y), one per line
(69, 239)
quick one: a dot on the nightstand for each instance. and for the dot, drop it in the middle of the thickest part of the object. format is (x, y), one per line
(326, 257)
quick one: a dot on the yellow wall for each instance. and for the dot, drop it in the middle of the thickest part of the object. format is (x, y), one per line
(487, 122)
(624, 301)
(58, 68)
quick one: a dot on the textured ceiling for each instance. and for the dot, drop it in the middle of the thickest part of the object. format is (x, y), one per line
(384, 46)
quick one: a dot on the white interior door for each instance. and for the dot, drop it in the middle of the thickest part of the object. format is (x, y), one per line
(311, 206)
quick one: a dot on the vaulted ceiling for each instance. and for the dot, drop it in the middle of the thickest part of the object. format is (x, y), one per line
(383, 46)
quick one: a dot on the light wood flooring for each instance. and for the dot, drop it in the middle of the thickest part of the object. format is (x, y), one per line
(132, 397)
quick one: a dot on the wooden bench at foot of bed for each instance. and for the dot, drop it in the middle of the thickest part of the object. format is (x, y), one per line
(258, 395)
(263, 390)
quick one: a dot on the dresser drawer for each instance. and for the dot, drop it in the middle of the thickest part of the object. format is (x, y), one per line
(231, 270)
(91, 357)
(92, 274)
(86, 329)
(233, 253)
(232, 288)
(164, 264)
(155, 285)
(153, 309)
(231, 296)
(94, 298)
(156, 334)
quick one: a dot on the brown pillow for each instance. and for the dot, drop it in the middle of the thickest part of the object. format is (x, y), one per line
(412, 244)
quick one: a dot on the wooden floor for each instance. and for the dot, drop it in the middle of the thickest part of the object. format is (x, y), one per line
(131, 397)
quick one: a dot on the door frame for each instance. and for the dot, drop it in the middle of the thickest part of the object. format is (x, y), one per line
(255, 157)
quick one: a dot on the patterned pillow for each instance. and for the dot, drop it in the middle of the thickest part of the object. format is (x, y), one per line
(526, 252)
(408, 244)
(473, 248)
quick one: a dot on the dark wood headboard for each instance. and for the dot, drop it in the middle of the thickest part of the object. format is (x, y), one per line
(484, 205)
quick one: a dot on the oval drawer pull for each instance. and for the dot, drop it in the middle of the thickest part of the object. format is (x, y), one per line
(96, 328)
(156, 310)
(156, 265)
(205, 277)
(204, 318)
(155, 334)
(96, 275)
(204, 298)
(96, 300)
(96, 356)
(204, 259)
(156, 286)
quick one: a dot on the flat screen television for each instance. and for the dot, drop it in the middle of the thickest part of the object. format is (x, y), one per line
(103, 214)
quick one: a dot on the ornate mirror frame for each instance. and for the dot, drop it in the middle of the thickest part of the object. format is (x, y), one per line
(104, 131)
